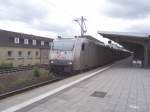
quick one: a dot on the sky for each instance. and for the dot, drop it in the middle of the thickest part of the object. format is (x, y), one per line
(52, 18)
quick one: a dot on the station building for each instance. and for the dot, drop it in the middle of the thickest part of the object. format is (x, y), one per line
(23, 49)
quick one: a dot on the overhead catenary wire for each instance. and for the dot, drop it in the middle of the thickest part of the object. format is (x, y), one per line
(81, 22)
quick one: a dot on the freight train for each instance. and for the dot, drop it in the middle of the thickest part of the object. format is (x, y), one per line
(81, 53)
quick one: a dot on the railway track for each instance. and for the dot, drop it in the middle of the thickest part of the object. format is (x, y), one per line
(22, 68)
(7, 94)
(4, 73)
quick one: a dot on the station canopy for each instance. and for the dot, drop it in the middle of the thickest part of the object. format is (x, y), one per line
(139, 43)
(126, 39)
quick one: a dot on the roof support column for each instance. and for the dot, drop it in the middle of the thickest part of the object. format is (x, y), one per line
(145, 56)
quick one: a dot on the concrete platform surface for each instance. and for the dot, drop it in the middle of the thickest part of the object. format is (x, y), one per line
(122, 88)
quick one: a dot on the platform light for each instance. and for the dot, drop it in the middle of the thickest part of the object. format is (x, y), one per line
(52, 62)
(70, 63)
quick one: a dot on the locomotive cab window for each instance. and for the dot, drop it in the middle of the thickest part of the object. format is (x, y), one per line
(83, 46)
(63, 45)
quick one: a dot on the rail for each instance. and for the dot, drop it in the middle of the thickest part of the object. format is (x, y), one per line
(22, 68)
(7, 94)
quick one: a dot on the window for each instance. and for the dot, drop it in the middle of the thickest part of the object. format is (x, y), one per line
(83, 47)
(42, 42)
(9, 53)
(16, 40)
(63, 45)
(49, 44)
(20, 53)
(37, 53)
(26, 41)
(34, 42)
(29, 53)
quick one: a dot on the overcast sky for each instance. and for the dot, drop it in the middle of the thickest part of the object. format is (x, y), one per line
(55, 17)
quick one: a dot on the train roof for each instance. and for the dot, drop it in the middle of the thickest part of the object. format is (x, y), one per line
(91, 38)
(65, 39)
(96, 41)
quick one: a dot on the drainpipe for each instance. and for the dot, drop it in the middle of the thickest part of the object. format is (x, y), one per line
(145, 56)
(40, 56)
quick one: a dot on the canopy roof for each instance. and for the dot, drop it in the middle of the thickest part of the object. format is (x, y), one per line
(108, 34)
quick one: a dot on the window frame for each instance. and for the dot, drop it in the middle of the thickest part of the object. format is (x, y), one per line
(26, 41)
(42, 43)
(34, 42)
(20, 53)
(83, 47)
(36, 53)
(29, 53)
(9, 55)
(16, 40)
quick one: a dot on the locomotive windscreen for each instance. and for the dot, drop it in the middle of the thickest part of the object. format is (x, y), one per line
(63, 45)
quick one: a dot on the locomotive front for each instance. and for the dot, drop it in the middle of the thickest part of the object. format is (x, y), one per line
(62, 55)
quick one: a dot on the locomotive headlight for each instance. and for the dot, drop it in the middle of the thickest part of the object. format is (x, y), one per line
(70, 63)
(52, 62)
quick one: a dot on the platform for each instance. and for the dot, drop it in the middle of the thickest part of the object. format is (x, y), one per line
(121, 88)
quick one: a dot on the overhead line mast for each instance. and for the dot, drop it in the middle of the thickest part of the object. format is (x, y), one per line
(81, 22)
